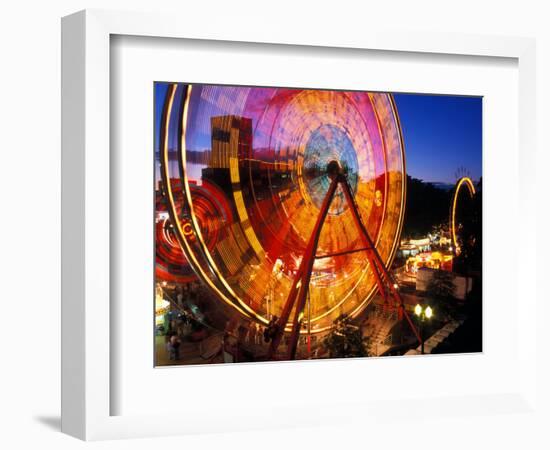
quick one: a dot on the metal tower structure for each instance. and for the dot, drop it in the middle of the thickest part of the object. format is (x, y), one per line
(296, 300)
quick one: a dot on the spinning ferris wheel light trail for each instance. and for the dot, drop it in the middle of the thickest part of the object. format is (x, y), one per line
(281, 197)
(463, 182)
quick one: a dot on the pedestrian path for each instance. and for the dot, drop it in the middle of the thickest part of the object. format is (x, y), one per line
(437, 338)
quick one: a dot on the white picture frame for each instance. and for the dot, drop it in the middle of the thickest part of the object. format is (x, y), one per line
(87, 385)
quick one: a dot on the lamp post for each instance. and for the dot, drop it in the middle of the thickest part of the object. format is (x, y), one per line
(422, 313)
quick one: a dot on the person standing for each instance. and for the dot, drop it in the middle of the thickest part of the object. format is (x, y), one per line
(179, 297)
(271, 330)
(258, 336)
(251, 337)
(174, 347)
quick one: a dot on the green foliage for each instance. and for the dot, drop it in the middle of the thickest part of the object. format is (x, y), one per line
(345, 340)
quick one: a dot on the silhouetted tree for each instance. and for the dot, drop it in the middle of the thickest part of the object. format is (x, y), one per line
(345, 340)
(441, 289)
(469, 260)
(427, 206)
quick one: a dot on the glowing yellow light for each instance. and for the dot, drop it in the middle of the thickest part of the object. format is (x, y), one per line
(464, 181)
(378, 198)
(418, 310)
(161, 306)
(428, 312)
(187, 229)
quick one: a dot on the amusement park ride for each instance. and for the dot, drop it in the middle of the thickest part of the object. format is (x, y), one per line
(464, 182)
(319, 198)
(300, 287)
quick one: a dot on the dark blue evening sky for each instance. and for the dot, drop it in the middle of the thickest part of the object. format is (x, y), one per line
(441, 133)
(160, 94)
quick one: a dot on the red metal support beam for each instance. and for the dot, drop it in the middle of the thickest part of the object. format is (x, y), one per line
(346, 252)
(300, 285)
(377, 260)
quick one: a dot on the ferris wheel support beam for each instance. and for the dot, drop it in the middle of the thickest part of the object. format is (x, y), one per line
(378, 265)
(300, 286)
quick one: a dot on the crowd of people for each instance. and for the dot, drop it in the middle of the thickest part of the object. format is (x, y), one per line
(185, 322)
(190, 321)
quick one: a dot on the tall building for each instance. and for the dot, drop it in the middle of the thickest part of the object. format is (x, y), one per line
(231, 141)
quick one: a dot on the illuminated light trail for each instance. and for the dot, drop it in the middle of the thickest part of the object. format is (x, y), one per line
(210, 208)
(468, 183)
(187, 246)
(299, 293)
(266, 150)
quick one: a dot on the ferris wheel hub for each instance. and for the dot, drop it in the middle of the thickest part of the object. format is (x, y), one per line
(334, 169)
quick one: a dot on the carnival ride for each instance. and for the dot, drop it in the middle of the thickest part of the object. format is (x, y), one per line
(171, 263)
(462, 183)
(309, 186)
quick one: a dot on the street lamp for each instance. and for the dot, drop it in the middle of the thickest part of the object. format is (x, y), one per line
(423, 313)
(428, 312)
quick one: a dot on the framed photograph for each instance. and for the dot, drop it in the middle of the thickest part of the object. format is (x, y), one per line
(301, 224)
(254, 216)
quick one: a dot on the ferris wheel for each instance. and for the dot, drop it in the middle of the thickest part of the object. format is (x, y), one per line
(312, 187)
(463, 184)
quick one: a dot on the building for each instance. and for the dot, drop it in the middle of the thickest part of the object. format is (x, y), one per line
(413, 247)
(231, 141)
(431, 260)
